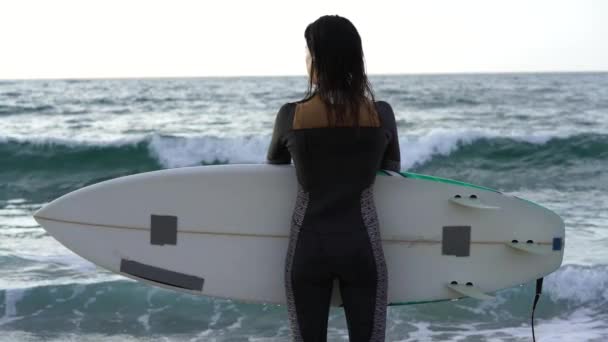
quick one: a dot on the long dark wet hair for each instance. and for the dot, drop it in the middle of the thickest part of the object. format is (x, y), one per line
(339, 68)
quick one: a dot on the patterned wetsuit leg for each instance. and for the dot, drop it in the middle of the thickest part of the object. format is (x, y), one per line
(378, 322)
(355, 258)
(296, 223)
(308, 280)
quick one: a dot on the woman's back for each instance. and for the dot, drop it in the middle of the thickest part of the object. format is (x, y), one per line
(335, 164)
(334, 227)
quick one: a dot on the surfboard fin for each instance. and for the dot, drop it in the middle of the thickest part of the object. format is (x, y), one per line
(469, 290)
(529, 247)
(471, 202)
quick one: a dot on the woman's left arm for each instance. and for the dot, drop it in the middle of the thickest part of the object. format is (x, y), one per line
(277, 150)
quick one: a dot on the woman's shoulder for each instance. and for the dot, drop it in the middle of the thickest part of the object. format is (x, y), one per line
(383, 105)
(386, 114)
(288, 105)
(284, 118)
(286, 109)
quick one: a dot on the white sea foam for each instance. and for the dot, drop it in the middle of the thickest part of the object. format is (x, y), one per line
(579, 284)
(179, 151)
(186, 151)
(415, 149)
(72, 141)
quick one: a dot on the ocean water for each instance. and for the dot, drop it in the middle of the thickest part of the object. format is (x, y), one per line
(543, 137)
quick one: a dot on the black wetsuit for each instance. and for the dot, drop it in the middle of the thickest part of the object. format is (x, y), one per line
(334, 227)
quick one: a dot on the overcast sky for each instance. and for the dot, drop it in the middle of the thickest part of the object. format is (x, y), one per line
(133, 38)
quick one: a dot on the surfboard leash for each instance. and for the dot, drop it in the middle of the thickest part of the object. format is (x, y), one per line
(539, 290)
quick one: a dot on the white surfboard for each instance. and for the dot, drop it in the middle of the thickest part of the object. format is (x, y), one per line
(223, 231)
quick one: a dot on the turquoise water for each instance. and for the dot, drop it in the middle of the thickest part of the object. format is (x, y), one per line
(543, 137)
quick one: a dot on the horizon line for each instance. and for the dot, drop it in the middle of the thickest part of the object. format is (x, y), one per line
(455, 73)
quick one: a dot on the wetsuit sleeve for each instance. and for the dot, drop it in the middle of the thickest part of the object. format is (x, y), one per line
(277, 150)
(392, 156)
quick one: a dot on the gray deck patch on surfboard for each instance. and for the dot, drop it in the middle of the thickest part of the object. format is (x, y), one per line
(456, 240)
(161, 275)
(163, 229)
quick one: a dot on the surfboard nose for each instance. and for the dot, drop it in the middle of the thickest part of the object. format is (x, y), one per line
(66, 207)
(51, 211)
(44, 217)
(41, 213)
